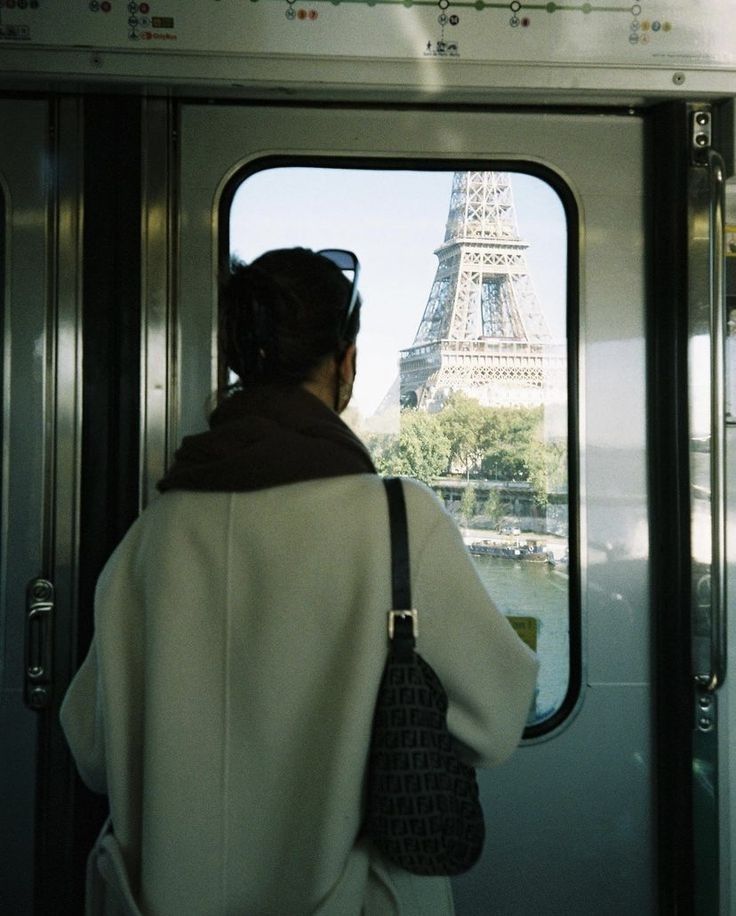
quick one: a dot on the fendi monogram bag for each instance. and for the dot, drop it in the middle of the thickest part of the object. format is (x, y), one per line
(423, 810)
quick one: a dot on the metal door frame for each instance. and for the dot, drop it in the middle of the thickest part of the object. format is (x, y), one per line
(293, 131)
(41, 164)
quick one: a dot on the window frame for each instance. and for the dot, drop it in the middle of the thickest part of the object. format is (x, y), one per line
(564, 713)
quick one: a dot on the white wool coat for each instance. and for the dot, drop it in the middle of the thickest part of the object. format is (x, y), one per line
(225, 705)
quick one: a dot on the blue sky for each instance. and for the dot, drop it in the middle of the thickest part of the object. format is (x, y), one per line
(393, 220)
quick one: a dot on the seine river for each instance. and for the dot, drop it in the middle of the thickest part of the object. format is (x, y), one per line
(538, 590)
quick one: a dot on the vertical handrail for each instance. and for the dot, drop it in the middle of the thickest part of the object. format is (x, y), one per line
(716, 675)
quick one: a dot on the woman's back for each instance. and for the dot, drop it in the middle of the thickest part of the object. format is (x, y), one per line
(242, 637)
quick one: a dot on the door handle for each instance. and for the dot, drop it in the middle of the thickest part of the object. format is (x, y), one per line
(39, 643)
(714, 677)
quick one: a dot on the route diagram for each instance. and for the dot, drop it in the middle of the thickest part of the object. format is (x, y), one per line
(641, 30)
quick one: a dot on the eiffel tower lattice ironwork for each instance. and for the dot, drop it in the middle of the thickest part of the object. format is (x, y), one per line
(483, 331)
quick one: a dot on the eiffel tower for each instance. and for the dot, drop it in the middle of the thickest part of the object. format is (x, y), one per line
(482, 332)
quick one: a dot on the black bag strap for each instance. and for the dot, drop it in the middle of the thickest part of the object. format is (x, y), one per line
(400, 583)
(402, 626)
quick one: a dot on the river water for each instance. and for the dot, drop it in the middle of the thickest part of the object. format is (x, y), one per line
(540, 591)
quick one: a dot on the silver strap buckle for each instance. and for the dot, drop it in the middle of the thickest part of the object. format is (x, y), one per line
(392, 615)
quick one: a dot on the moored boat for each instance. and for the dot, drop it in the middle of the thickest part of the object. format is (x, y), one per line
(530, 552)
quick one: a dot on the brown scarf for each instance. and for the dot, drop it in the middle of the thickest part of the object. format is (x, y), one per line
(267, 436)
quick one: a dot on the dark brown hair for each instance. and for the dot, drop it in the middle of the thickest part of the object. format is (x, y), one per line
(281, 315)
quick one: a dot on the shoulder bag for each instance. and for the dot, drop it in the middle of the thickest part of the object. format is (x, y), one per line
(423, 810)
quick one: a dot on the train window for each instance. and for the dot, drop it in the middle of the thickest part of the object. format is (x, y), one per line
(463, 362)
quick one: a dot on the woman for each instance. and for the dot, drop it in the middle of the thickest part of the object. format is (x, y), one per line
(226, 702)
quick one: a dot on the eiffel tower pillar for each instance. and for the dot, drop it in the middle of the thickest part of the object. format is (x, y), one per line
(482, 332)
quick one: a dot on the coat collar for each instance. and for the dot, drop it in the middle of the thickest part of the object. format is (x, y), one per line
(267, 436)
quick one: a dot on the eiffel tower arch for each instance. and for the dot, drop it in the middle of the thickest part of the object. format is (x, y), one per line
(482, 332)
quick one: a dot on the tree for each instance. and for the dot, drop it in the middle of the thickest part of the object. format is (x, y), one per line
(462, 421)
(468, 503)
(547, 464)
(511, 436)
(493, 507)
(421, 450)
(495, 443)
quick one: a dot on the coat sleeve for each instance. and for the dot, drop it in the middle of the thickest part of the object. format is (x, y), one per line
(488, 673)
(81, 720)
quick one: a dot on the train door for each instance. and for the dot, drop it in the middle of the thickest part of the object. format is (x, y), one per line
(39, 303)
(571, 818)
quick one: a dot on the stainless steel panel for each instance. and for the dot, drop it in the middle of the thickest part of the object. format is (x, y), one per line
(556, 33)
(614, 469)
(159, 392)
(388, 49)
(727, 695)
(40, 168)
(727, 698)
(25, 179)
(578, 839)
(706, 417)
(65, 384)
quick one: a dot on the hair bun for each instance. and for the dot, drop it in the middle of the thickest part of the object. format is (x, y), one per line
(281, 315)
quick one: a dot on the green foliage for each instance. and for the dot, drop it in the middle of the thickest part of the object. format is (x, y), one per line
(463, 421)
(512, 437)
(547, 471)
(422, 450)
(494, 507)
(504, 444)
(468, 503)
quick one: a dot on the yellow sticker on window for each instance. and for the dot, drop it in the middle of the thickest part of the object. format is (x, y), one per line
(526, 628)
